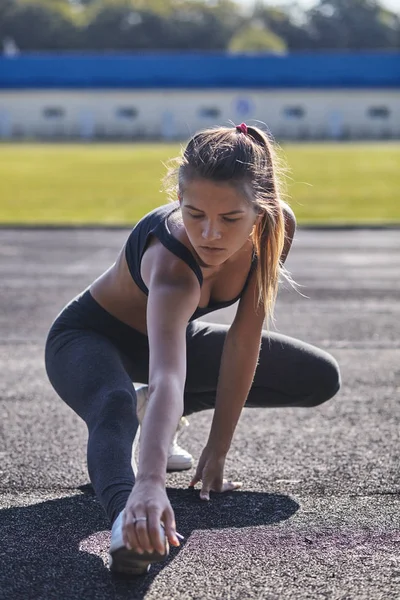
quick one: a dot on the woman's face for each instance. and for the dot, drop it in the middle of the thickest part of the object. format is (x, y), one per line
(217, 219)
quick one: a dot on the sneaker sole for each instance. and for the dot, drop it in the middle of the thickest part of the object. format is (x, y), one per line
(127, 562)
(171, 466)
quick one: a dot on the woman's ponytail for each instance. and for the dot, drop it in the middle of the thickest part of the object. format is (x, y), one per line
(269, 231)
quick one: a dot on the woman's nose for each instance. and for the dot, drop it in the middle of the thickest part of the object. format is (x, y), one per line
(211, 232)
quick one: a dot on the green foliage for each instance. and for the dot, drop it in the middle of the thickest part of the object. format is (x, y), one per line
(254, 38)
(281, 22)
(51, 31)
(354, 24)
(64, 8)
(50, 183)
(196, 24)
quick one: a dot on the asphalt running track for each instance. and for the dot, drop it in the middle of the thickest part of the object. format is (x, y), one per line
(318, 516)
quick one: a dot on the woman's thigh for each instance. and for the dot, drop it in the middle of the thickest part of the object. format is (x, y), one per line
(89, 373)
(289, 372)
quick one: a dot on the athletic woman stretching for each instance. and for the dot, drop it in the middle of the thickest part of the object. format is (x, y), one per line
(223, 239)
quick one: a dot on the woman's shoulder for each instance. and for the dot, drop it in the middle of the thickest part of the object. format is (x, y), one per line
(160, 213)
(148, 224)
(288, 212)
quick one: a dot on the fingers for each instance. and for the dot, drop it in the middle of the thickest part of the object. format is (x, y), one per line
(170, 528)
(129, 536)
(205, 493)
(155, 533)
(148, 533)
(143, 532)
(206, 487)
(229, 486)
(197, 477)
(195, 480)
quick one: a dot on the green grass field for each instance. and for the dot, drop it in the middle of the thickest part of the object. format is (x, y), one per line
(116, 184)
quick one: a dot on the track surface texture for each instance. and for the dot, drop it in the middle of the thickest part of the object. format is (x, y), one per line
(318, 515)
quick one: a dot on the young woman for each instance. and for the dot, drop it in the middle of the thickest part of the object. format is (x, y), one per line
(223, 239)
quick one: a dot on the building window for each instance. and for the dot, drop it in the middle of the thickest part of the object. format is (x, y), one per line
(53, 112)
(126, 112)
(378, 112)
(294, 112)
(209, 112)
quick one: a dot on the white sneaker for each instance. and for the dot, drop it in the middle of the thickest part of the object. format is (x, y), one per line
(128, 562)
(178, 458)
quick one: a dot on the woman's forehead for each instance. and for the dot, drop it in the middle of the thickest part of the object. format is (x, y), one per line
(204, 192)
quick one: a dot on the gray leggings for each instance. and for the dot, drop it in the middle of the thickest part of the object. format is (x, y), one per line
(92, 359)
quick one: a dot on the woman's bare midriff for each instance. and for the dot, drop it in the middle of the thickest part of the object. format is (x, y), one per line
(116, 291)
(118, 294)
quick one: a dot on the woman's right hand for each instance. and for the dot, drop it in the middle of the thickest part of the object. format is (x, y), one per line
(148, 500)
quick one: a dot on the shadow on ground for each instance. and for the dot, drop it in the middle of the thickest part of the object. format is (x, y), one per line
(58, 548)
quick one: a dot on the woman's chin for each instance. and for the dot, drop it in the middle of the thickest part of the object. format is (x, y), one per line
(211, 261)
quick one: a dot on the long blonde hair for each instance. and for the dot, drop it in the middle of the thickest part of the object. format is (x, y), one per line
(246, 159)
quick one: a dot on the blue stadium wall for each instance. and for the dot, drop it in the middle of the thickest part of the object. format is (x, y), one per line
(170, 96)
(196, 70)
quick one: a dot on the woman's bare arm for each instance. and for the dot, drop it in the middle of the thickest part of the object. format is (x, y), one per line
(240, 356)
(174, 294)
(238, 365)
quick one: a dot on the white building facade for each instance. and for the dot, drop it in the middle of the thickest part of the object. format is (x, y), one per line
(73, 105)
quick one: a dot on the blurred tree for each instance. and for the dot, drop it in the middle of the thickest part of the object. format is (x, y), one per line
(192, 25)
(255, 37)
(353, 24)
(7, 11)
(67, 8)
(51, 30)
(121, 28)
(196, 24)
(287, 23)
(7, 6)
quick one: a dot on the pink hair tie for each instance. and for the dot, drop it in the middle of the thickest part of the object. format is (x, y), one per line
(242, 127)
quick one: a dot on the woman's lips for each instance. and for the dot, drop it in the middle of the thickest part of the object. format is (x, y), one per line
(210, 249)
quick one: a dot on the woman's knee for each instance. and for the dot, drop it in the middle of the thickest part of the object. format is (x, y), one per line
(327, 381)
(114, 409)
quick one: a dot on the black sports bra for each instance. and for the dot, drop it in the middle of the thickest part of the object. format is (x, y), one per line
(156, 223)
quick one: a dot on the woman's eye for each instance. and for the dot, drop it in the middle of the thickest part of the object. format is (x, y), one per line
(226, 219)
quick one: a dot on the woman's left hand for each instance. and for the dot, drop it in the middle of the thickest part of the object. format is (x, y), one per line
(210, 471)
